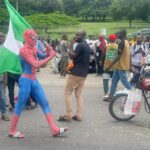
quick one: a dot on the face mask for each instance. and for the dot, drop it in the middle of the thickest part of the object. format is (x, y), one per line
(79, 39)
(139, 42)
(119, 36)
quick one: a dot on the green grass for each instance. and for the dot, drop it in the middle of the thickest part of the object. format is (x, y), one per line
(95, 28)
(112, 27)
(92, 28)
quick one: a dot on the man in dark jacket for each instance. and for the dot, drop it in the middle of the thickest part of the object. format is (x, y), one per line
(78, 74)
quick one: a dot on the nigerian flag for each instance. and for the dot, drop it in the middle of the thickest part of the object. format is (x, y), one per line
(9, 52)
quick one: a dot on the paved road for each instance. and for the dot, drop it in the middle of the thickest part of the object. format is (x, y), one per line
(97, 131)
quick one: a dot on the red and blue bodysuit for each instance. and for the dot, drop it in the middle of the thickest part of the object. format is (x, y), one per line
(29, 85)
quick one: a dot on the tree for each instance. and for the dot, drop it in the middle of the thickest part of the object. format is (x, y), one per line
(102, 8)
(71, 7)
(47, 20)
(28, 7)
(48, 6)
(25, 7)
(120, 9)
(4, 17)
(95, 9)
(92, 10)
(143, 9)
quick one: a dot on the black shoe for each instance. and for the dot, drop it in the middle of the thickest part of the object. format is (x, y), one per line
(76, 118)
(108, 99)
(11, 109)
(7, 105)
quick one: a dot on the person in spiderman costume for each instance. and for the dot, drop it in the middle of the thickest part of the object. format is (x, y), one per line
(29, 85)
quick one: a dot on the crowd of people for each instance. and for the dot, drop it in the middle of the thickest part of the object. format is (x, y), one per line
(111, 58)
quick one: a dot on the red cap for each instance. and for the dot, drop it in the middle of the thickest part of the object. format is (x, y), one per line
(112, 37)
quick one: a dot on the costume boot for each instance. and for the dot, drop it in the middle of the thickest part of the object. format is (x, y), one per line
(54, 129)
(13, 125)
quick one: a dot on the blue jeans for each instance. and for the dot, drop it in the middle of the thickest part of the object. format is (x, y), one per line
(2, 98)
(119, 75)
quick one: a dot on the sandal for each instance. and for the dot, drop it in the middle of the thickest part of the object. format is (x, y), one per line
(76, 118)
(61, 130)
(17, 135)
(5, 117)
(64, 118)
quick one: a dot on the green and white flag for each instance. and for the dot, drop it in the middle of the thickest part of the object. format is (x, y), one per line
(9, 53)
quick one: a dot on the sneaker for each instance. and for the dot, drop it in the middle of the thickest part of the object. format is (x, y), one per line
(105, 96)
(5, 117)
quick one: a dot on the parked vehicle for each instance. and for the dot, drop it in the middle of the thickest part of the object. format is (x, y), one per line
(144, 32)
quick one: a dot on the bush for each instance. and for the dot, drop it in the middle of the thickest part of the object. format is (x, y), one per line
(46, 20)
(4, 17)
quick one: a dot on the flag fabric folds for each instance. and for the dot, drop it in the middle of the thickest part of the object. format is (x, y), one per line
(9, 52)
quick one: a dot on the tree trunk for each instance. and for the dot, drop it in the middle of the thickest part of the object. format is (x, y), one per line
(104, 17)
(82, 18)
(130, 23)
(46, 29)
(93, 17)
(86, 18)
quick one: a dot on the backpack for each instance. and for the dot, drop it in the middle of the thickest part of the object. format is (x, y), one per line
(140, 50)
(136, 45)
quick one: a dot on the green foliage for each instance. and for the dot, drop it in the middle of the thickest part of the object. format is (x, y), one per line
(4, 17)
(123, 9)
(28, 7)
(49, 6)
(120, 9)
(115, 11)
(93, 29)
(130, 9)
(87, 10)
(94, 9)
(46, 20)
(71, 7)
(143, 9)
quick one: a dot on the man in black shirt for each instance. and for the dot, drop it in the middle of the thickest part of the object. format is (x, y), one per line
(77, 76)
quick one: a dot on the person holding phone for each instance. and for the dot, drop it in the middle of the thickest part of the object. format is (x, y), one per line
(78, 73)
